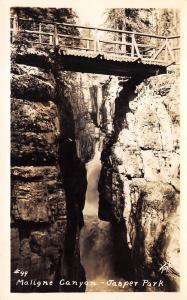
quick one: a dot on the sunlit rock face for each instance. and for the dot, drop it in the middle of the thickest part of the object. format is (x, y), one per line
(140, 176)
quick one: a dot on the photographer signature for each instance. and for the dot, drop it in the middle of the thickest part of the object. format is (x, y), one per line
(167, 268)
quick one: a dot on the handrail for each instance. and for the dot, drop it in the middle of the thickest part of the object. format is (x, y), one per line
(104, 29)
(165, 47)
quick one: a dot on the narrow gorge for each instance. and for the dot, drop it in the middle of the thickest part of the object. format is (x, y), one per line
(95, 177)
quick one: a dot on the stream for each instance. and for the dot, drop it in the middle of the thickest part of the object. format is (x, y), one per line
(96, 245)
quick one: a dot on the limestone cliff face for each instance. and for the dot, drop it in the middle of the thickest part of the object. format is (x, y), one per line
(55, 125)
(40, 201)
(140, 175)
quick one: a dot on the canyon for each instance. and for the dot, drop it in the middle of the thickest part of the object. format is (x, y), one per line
(95, 175)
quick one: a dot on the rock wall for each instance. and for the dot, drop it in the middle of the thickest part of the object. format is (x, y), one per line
(140, 175)
(57, 118)
(55, 126)
(40, 206)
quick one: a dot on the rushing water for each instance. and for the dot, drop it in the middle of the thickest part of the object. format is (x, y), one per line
(93, 172)
(96, 245)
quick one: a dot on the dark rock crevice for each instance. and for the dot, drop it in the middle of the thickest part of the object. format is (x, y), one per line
(74, 177)
(123, 264)
(127, 94)
(138, 252)
(111, 198)
(109, 177)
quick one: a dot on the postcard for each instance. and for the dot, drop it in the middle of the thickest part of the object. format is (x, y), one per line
(93, 138)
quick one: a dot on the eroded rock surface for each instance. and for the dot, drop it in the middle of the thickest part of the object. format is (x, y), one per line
(140, 176)
(39, 217)
(55, 125)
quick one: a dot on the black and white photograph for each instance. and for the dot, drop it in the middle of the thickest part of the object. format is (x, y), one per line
(94, 149)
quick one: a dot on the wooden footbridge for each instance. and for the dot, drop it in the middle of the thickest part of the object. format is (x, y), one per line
(100, 50)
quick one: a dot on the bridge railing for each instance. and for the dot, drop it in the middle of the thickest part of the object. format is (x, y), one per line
(135, 45)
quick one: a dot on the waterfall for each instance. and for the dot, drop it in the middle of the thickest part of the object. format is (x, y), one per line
(93, 168)
(96, 245)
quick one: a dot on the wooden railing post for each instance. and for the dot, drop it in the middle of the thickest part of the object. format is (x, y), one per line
(88, 44)
(132, 45)
(15, 27)
(95, 40)
(56, 42)
(166, 51)
(170, 51)
(40, 29)
(136, 47)
(124, 47)
(174, 44)
(98, 45)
